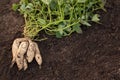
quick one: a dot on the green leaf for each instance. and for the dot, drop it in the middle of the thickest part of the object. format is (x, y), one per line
(59, 15)
(68, 29)
(67, 9)
(82, 1)
(15, 7)
(29, 6)
(95, 18)
(41, 21)
(53, 5)
(71, 1)
(65, 33)
(77, 28)
(46, 1)
(60, 29)
(24, 1)
(58, 35)
(22, 7)
(85, 23)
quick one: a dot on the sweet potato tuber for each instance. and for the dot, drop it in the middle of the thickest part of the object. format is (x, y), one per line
(24, 50)
(38, 57)
(20, 54)
(15, 47)
(30, 52)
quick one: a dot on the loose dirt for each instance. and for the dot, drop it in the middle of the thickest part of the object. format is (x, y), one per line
(93, 55)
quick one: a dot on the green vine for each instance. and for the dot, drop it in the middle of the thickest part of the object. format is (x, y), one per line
(58, 17)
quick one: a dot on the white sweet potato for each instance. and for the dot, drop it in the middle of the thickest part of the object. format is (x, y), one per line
(24, 50)
(30, 52)
(38, 57)
(19, 61)
(20, 54)
(15, 47)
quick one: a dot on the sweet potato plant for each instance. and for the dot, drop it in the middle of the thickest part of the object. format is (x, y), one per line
(54, 17)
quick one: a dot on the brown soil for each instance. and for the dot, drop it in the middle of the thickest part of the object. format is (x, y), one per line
(93, 55)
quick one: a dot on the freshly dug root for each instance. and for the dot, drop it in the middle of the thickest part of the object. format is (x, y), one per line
(24, 50)
(19, 61)
(38, 57)
(31, 51)
(20, 54)
(15, 47)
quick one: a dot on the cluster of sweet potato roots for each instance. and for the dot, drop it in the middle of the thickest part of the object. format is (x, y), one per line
(24, 50)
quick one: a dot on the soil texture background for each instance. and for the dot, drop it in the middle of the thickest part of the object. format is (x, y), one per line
(93, 55)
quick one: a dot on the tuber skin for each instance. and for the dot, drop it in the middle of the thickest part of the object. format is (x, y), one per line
(25, 65)
(30, 52)
(15, 48)
(20, 54)
(38, 57)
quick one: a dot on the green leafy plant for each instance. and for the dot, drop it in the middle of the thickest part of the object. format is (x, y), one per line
(54, 17)
(58, 17)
